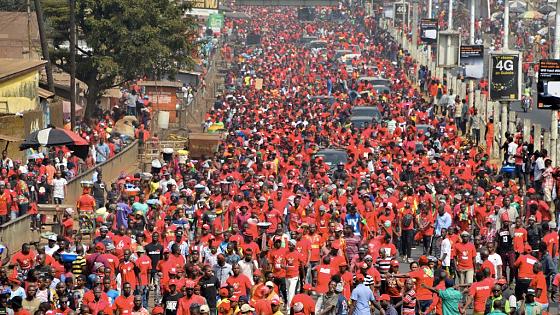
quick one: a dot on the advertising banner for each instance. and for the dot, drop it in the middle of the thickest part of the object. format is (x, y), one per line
(471, 59)
(448, 44)
(428, 30)
(505, 77)
(215, 22)
(401, 13)
(205, 4)
(389, 11)
(548, 86)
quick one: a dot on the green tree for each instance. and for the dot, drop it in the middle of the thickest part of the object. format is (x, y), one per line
(121, 40)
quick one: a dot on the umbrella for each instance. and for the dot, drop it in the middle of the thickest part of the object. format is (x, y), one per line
(532, 15)
(517, 6)
(496, 15)
(52, 137)
(547, 8)
(543, 31)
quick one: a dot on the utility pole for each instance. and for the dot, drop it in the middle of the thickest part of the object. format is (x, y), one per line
(505, 105)
(44, 44)
(29, 29)
(471, 42)
(430, 45)
(72, 64)
(554, 114)
(506, 27)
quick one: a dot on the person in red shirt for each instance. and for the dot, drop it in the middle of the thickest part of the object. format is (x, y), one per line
(323, 273)
(277, 259)
(540, 284)
(239, 282)
(480, 291)
(24, 259)
(519, 236)
(424, 277)
(305, 299)
(128, 271)
(98, 304)
(86, 202)
(144, 266)
(464, 254)
(5, 203)
(524, 265)
(294, 269)
(190, 298)
(125, 302)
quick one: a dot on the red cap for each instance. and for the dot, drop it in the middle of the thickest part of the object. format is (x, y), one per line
(307, 286)
(502, 281)
(157, 310)
(528, 248)
(206, 227)
(360, 277)
(224, 292)
(234, 298)
(423, 260)
(173, 282)
(531, 190)
(384, 297)
(99, 246)
(395, 262)
(189, 284)
(257, 272)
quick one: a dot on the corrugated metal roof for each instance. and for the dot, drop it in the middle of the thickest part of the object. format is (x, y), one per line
(9, 68)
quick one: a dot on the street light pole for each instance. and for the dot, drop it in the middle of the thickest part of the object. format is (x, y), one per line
(554, 114)
(471, 42)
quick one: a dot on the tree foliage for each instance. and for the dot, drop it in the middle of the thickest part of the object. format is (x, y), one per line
(121, 40)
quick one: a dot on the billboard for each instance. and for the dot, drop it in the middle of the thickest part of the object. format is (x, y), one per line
(505, 76)
(448, 44)
(428, 30)
(215, 22)
(548, 86)
(471, 59)
(389, 11)
(401, 13)
(204, 4)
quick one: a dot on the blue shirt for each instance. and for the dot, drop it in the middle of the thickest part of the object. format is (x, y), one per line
(361, 296)
(354, 220)
(443, 222)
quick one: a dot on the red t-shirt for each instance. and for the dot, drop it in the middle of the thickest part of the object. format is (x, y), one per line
(324, 273)
(277, 258)
(24, 261)
(128, 273)
(519, 239)
(464, 255)
(124, 304)
(480, 291)
(525, 263)
(306, 300)
(293, 262)
(539, 282)
(241, 284)
(423, 276)
(144, 265)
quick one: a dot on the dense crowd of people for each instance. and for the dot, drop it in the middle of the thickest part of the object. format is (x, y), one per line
(266, 226)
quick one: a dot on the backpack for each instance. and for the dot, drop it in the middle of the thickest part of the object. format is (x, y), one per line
(407, 219)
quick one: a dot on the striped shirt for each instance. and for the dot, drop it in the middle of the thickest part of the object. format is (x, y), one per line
(79, 265)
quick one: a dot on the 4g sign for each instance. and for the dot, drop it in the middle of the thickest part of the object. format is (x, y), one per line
(505, 77)
(401, 13)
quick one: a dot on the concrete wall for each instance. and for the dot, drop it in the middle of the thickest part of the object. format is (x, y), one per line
(124, 162)
(16, 232)
(20, 93)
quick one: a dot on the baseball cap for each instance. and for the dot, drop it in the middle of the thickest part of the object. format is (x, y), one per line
(307, 286)
(224, 292)
(275, 301)
(140, 249)
(204, 309)
(531, 291)
(157, 310)
(269, 284)
(173, 282)
(395, 262)
(384, 297)
(246, 308)
(189, 284)
(502, 281)
(552, 225)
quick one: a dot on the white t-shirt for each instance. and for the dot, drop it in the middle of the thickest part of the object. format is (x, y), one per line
(446, 249)
(496, 260)
(58, 187)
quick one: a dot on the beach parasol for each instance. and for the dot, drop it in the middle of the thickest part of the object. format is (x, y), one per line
(532, 15)
(52, 137)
